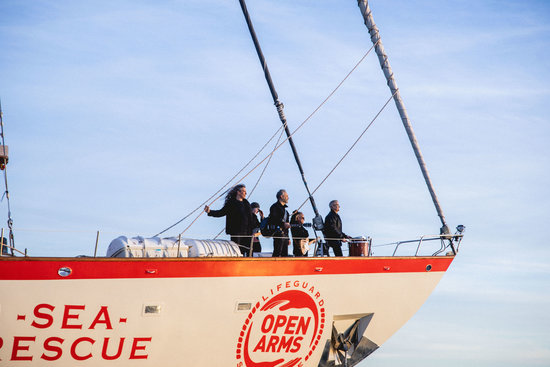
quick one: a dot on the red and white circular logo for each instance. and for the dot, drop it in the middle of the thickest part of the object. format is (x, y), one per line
(284, 328)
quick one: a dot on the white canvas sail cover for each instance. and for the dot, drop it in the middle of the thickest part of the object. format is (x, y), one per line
(168, 247)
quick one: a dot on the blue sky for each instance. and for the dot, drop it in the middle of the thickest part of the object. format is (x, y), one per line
(124, 116)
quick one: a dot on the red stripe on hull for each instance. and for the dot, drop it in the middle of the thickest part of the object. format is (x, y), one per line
(113, 268)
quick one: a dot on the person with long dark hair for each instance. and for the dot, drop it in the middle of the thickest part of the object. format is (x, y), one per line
(238, 217)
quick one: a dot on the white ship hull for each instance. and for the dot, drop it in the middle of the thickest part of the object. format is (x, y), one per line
(203, 312)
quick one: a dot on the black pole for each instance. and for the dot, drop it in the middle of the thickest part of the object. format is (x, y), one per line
(318, 221)
(11, 239)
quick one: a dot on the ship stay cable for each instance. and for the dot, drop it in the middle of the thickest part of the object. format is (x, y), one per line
(276, 148)
(6, 192)
(283, 142)
(350, 148)
(388, 73)
(268, 158)
(223, 187)
(259, 178)
(214, 198)
(265, 167)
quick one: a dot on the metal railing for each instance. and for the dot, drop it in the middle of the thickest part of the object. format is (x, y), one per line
(448, 242)
(449, 245)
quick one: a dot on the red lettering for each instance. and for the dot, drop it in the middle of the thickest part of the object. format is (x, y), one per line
(280, 321)
(273, 341)
(287, 284)
(261, 345)
(106, 345)
(67, 315)
(52, 348)
(321, 303)
(279, 287)
(136, 347)
(317, 295)
(296, 283)
(76, 343)
(105, 320)
(269, 318)
(285, 344)
(17, 348)
(297, 344)
(303, 326)
(44, 316)
(291, 323)
(312, 289)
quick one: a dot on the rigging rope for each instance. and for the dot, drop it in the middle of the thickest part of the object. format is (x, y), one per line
(351, 147)
(6, 193)
(266, 164)
(259, 178)
(224, 186)
(240, 180)
(272, 152)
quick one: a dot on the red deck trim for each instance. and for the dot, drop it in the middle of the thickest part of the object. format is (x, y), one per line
(112, 268)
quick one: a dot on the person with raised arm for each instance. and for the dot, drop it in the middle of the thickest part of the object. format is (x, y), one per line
(238, 217)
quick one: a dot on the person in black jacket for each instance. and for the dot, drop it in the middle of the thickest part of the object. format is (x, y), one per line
(238, 217)
(300, 235)
(257, 246)
(278, 217)
(333, 229)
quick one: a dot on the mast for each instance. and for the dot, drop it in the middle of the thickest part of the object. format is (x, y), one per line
(317, 221)
(385, 65)
(4, 154)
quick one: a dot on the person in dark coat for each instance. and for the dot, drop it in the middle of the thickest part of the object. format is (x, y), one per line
(299, 234)
(333, 229)
(256, 246)
(238, 217)
(278, 217)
